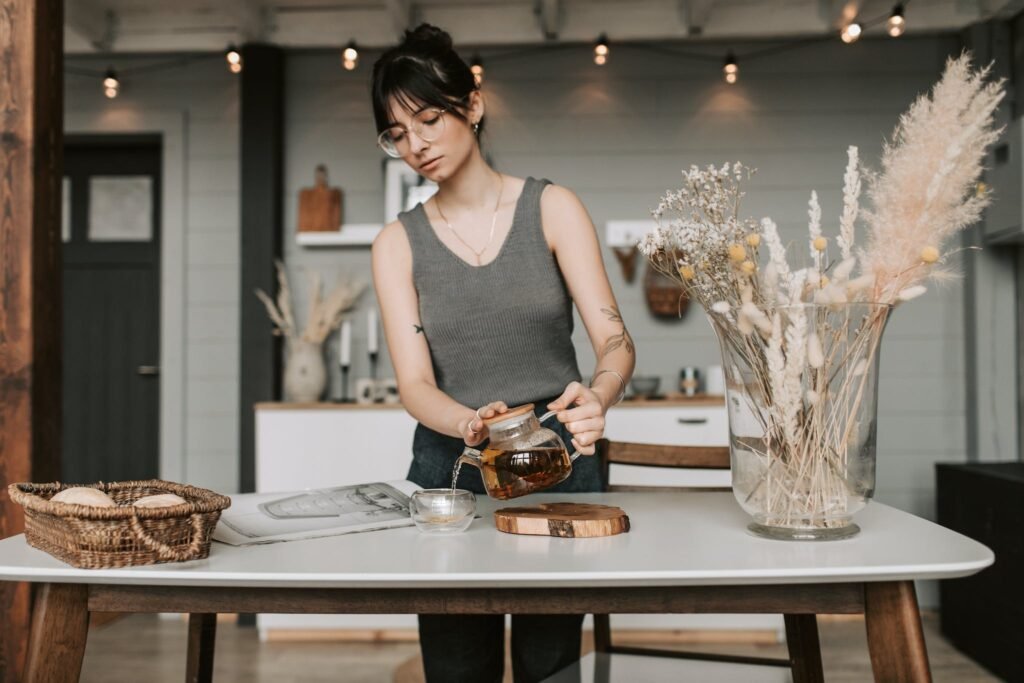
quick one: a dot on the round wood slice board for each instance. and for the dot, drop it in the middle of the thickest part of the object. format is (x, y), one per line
(566, 520)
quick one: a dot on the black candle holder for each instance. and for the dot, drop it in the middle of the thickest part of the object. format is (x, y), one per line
(344, 386)
(373, 376)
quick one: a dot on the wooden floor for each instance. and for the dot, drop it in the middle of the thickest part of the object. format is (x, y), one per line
(148, 648)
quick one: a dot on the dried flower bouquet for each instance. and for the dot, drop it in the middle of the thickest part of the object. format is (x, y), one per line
(801, 344)
(324, 314)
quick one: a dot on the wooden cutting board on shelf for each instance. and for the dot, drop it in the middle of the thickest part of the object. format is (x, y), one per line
(566, 520)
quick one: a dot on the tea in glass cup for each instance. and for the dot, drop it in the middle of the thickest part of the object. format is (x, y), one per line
(442, 511)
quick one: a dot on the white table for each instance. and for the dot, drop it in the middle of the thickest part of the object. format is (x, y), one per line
(685, 553)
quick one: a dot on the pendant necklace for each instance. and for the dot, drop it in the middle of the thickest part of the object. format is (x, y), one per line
(494, 220)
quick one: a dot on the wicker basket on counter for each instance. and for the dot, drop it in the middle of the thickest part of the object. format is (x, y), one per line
(92, 537)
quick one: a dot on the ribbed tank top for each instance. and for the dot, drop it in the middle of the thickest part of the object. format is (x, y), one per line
(501, 331)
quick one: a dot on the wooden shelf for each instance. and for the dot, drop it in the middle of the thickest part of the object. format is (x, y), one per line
(350, 235)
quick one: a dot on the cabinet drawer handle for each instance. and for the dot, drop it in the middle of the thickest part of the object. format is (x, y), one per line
(692, 420)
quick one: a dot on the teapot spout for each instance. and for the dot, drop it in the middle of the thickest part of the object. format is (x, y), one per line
(471, 456)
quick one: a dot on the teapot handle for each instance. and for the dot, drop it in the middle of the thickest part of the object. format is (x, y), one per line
(549, 414)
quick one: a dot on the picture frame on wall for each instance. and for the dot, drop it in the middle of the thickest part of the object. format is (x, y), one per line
(404, 188)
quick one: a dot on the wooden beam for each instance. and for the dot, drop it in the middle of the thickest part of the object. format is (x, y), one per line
(401, 13)
(94, 24)
(31, 160)
(251, 18)
(695, 15)
(548, 18)
(837, 13)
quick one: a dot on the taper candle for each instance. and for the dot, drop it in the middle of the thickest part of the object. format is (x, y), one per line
(371, 326)
(345, 350)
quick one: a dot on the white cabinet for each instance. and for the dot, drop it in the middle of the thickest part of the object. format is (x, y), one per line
(307, 446)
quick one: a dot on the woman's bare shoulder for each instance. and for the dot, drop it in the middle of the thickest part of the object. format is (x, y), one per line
(392, 244)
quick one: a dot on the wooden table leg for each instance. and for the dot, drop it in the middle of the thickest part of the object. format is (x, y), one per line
(804, 648)
(60, 626)
(895, 636)
(202, 636)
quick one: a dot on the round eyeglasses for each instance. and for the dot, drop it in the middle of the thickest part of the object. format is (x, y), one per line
(428, 125)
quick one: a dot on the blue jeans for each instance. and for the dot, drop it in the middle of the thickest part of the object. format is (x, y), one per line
(471, 648)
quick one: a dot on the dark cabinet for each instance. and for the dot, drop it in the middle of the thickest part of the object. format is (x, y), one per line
(983, 615)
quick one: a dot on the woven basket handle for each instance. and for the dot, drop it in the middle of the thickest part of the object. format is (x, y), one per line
(166, 552)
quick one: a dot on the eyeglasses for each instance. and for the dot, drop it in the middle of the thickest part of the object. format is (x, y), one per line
(428, 125)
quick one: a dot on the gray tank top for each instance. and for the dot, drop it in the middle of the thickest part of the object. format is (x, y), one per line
(501, 331)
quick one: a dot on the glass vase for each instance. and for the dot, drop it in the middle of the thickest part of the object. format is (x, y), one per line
(802, 394)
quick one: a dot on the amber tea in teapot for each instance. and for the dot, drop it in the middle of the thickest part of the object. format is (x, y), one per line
(521, 456)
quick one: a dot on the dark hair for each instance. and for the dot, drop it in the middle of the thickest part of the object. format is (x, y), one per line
(423, 69)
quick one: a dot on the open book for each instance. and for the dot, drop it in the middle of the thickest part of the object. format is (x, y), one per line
(271, 517)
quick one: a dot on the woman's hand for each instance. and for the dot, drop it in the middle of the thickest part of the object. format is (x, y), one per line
(473, 430)
(582, 413)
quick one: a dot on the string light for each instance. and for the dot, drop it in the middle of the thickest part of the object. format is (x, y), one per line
(731, 69)
(601, 50)
(111, 86)
(851, 32)
(234, 59)
(897, 23)
(350, 56)
(477, 67)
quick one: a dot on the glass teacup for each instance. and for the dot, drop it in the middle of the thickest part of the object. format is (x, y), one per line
(442, 511)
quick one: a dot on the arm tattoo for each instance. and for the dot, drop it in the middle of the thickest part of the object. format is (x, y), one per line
(418, 328)
(617, 340)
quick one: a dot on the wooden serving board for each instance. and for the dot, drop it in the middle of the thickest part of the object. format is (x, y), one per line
(567, 520)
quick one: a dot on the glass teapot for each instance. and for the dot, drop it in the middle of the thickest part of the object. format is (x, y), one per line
(521, 456)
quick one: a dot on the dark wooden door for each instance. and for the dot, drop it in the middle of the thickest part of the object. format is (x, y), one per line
(111, 339)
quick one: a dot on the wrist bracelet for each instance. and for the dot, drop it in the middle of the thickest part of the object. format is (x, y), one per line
(622, 383)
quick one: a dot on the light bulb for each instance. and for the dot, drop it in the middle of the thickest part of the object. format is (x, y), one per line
(897, 23)
(731, 69)
(111, 85)
(601, 50)
(350, 56)
(851, 33)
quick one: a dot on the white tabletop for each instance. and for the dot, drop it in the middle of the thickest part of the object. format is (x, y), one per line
(677, 539)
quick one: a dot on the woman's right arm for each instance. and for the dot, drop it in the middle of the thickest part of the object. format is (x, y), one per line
(407, 343)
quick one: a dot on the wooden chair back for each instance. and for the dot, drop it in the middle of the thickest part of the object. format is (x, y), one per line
(659, 455)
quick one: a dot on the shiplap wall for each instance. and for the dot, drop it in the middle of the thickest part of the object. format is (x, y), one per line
(207, 95)
(619, 135)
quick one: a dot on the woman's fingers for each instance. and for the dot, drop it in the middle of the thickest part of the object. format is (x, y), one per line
(590, 424)
(573, 392)
(584, 443)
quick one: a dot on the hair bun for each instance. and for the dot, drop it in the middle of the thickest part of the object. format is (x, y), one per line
(428, 38)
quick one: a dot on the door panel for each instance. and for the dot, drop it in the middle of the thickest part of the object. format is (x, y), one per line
(111, 310)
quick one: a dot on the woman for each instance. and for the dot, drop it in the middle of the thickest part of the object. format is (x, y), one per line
(476, 289)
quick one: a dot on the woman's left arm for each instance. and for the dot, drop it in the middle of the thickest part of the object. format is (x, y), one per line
(571, 236)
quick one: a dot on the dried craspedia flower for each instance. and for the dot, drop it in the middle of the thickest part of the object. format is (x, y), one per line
(748, 267)
(754, 239)
(820, 243)
(686, 272)
(737, 253)
(929, 254)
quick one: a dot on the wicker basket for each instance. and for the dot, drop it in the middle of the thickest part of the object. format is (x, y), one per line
(91, 537)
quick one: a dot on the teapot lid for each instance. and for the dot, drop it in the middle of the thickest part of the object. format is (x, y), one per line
(518, 411)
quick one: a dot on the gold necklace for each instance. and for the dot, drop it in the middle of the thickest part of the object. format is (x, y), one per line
(494, 220)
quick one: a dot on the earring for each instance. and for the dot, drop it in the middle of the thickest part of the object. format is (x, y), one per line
(476, 128)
